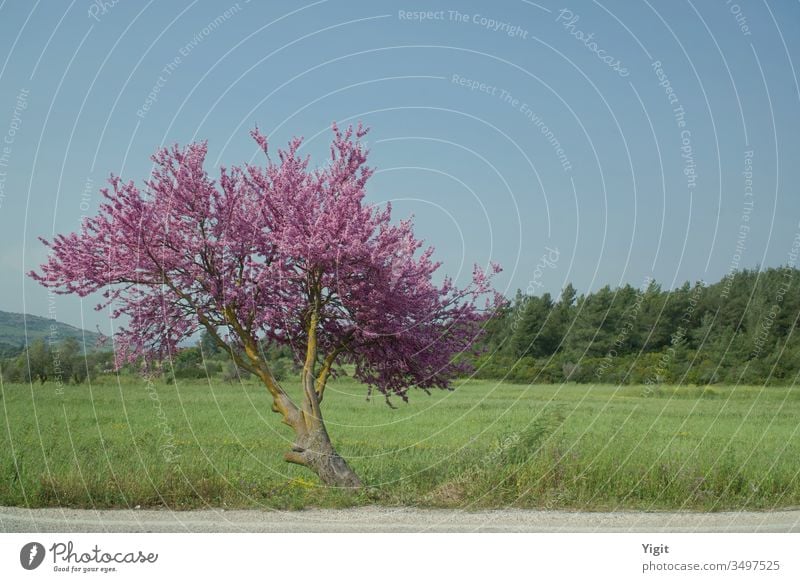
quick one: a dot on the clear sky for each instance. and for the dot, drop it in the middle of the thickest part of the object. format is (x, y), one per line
(619, 140)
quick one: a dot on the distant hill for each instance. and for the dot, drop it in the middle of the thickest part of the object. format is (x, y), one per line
(13, 328)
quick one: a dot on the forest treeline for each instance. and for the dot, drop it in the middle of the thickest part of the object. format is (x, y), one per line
(66, 362)
(738, 330)
(60, 354)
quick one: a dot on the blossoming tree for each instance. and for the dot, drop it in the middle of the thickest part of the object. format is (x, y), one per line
(282, 254)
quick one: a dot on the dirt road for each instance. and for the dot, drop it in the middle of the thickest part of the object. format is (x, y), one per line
(381, 519)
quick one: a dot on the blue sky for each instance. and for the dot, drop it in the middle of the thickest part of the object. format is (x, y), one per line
(611, 137)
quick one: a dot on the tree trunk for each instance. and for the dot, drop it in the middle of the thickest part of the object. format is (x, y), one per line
(312, 446)
(313, 449)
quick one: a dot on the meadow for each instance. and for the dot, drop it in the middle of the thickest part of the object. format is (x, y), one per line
(121, 442)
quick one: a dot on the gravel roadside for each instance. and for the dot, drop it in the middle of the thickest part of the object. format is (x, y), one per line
(387, 519)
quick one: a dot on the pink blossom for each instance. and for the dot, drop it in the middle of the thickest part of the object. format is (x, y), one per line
(267, 244)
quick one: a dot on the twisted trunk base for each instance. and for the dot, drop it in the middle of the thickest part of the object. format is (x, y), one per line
(313, 449)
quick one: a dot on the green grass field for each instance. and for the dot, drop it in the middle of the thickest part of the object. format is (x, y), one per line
(486, 444)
